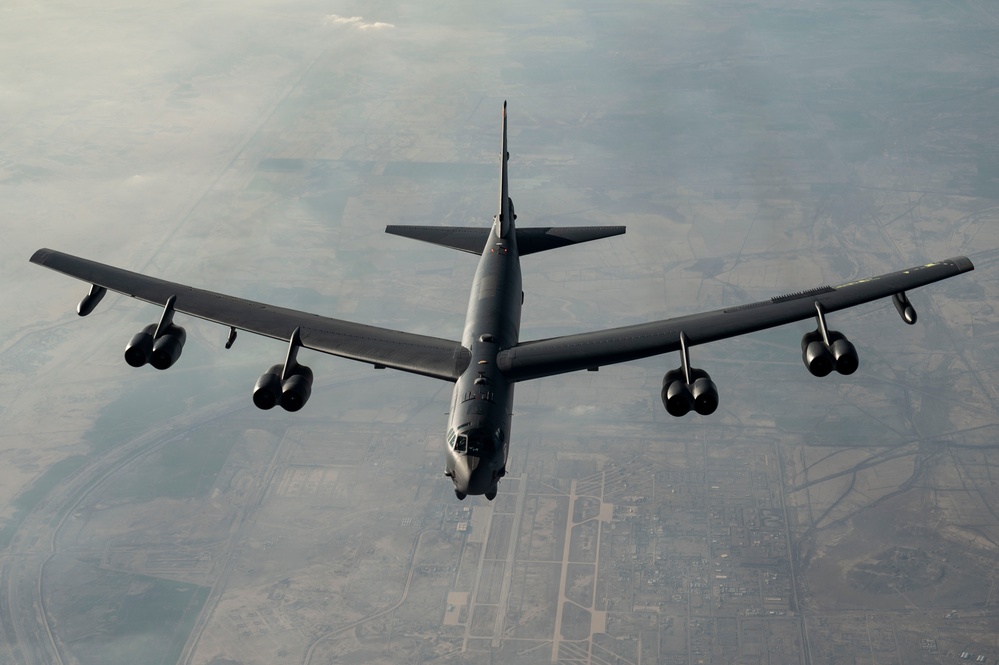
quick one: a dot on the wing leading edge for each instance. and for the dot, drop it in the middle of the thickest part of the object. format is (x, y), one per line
(557, 355)
(446, 359)
(382, 347)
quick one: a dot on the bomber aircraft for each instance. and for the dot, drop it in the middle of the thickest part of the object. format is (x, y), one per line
(490, 359)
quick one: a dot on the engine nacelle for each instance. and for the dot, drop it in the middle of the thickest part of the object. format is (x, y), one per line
(140, 349)
(705, 394)
(676, 397)
(291, 395)
(841, 355)
(679, 397)
(815, 355)
(167, 347)
(267, 391)
(844, 353)
(297, 389)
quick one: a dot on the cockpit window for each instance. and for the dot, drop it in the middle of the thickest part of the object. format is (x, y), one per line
(479, 445)
(475, 443)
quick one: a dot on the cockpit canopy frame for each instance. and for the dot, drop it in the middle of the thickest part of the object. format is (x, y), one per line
(474, 442)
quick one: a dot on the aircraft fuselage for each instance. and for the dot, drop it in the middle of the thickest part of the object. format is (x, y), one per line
(478, 431)
(481, 405)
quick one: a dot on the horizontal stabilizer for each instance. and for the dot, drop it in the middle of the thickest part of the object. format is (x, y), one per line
(465, 239)
(539, 239)
(529, 240)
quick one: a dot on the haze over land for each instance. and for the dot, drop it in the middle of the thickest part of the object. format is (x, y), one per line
(258, 149)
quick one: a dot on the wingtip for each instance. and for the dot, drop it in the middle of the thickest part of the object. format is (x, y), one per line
(963, 263)
(40, 255)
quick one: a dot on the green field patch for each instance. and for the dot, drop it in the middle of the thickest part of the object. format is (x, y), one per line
(48, 481)
(185, 467)
(29, 498)
(139, 619)
(146, 404)
(151, 401)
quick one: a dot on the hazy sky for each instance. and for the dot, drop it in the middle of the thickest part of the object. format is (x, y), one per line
(259, 148)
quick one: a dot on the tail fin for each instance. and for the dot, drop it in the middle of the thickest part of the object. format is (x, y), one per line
(529, 240)
(505, 217)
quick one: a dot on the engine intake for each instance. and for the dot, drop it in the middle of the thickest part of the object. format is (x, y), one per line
(820, 359)
(296, 389)
(160, 344)
(289, 385)
(705, 393)
(292, 394)
(844, 353)
(140, 349)
(167, 347)
(815, 355)
(160, 352)
(676, 396)
(267, 391)
(680, 398)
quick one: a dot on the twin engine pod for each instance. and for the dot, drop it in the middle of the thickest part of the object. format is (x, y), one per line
(160, 352)
(821, 358)
(679, 397)
(291, 394)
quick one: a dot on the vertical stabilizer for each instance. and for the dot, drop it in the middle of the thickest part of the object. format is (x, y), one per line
(504, 218)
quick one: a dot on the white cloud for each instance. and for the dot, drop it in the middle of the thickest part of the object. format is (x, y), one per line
(582, 410)
(356, 21)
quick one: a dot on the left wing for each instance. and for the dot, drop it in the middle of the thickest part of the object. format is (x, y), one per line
(547, 357)
(382, 347)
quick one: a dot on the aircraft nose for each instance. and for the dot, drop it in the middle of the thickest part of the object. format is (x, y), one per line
(481, 480)
(471, 477)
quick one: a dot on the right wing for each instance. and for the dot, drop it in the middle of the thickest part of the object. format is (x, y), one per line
(548, 357)
(382, 347)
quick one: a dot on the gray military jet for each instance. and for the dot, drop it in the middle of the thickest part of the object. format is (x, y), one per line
(490, 358)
